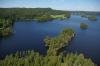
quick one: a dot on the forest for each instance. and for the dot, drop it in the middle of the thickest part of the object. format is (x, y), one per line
(32, 13)
(31, 58)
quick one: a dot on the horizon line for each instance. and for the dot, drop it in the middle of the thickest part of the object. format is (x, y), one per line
(53, 9)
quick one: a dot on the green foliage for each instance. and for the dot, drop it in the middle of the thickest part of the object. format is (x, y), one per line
(77, 60)
(58, 16)
(5, 27)
(40, 14)
(44, 18)
(1, 23)
(83, 26)
(55, 43)
(7, 31)
(92, 18)
(31, 58)
(89, 16)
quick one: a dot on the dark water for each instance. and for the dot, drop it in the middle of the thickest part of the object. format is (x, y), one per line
(29, 35)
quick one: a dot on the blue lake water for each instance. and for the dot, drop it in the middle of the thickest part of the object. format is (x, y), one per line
(29, 35)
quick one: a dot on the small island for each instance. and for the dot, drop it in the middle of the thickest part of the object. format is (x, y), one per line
(83, 26)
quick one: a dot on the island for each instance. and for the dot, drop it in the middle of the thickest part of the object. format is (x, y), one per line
(55, 43)
(83, 26)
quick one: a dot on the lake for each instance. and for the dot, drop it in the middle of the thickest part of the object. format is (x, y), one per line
(29, 35)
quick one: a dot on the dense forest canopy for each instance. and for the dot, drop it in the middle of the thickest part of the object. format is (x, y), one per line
(31, 58)
(58, 42)
(30, 13)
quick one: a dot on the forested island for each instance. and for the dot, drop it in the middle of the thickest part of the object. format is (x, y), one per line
(83, 26)
(56, 43)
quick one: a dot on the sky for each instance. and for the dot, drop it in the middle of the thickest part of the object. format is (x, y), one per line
(76, 5)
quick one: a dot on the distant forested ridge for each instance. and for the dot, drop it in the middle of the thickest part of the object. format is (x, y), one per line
(31, 13)
(9, 15)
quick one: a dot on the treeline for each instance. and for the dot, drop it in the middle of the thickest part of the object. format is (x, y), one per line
(91, 17)
(87, 14)
(31, 58)
(31, 13)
